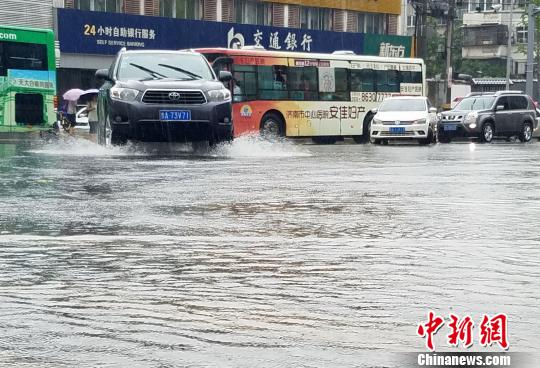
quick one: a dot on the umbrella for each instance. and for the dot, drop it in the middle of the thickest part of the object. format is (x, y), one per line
(88, 94)
(72, 94)
(76, 93)
(92, 91)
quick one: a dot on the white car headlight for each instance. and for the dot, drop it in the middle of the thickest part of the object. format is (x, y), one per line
(219, 95)
(376, 121)
(471, 117)
(124, 94)
(420, 121)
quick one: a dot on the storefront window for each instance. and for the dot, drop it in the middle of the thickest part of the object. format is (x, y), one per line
(83, 4)
(372, 23)
(252, 12)
(185, 9)
(316, 18)
(112, 6)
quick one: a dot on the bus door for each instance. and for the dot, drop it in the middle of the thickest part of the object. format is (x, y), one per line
(334, 95)
(311, 115)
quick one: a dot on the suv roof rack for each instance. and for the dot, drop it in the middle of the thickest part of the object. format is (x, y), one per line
(498, 93)
(480, 94)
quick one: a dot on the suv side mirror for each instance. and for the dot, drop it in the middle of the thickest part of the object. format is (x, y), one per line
(224, 76)
(433, 110)
(499, 108)
(374, 110)
(103, 74)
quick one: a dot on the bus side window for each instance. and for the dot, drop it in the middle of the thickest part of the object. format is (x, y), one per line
(244, 83)
(393, 80)
(341, 93)
(362, 80)
(416, 77)
(387, 81)
(272, 82)
(303, 83)
(405, 77)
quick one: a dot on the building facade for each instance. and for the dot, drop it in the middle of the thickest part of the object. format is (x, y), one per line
(90, 32)
(487, 27)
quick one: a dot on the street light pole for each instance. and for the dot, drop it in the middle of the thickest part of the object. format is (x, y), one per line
(509, 47)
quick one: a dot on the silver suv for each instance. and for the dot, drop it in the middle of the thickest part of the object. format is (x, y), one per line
(489, 115)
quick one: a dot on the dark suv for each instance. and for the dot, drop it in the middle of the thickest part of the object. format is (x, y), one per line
(489, 115)
(163, 96)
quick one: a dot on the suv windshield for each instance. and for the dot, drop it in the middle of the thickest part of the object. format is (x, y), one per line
(144, 66)
(403, 104)
(475, 103)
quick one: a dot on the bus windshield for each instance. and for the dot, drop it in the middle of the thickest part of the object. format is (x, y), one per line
(475, 103)
(409, 104)
(22, 56)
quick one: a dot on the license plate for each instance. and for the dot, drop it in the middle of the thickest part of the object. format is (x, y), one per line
(174, 115)
(450, 127)
(397, 130)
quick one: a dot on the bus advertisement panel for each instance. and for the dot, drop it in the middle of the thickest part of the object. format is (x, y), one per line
(27, 79)
(322, 96)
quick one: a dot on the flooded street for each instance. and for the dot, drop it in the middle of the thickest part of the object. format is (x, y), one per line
(260, 254)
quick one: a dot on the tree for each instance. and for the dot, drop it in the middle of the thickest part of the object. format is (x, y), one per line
(436, 60)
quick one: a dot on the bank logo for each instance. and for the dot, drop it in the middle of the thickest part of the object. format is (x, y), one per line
(246, 111)
(235, 40)
(174, 96)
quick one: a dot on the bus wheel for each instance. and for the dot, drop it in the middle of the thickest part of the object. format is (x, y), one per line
(364, 138)
(272, 126)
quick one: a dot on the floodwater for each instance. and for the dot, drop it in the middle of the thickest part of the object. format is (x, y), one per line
(261, 254)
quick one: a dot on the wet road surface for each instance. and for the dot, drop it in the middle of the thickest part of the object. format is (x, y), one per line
(260, 254)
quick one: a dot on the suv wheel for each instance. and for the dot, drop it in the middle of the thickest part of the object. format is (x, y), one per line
(487, 133)
(526, 132)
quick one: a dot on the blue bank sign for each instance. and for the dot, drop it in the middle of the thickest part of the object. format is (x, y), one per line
(85, 32)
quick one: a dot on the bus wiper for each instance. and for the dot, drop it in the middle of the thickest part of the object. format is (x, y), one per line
(153, 73)
(187, 72)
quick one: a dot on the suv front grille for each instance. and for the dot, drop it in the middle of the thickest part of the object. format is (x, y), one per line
(174, 97)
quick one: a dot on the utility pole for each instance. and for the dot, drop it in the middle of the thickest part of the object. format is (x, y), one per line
(449, 39)
(509, 47)
(420, 29)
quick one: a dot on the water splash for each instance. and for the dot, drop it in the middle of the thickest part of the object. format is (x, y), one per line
(78, 146)
(242, 147)
(256, 146)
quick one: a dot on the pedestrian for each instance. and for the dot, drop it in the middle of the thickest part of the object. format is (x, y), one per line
(91, 108)
(71, 112)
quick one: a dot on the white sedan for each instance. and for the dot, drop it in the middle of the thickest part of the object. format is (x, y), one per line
(404, 117)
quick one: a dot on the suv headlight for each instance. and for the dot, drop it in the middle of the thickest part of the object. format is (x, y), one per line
(471, 117)
(219, 95)
(124, 94)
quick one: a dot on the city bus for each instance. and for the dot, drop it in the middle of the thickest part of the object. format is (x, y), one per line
(27, 79)
(322, 96)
